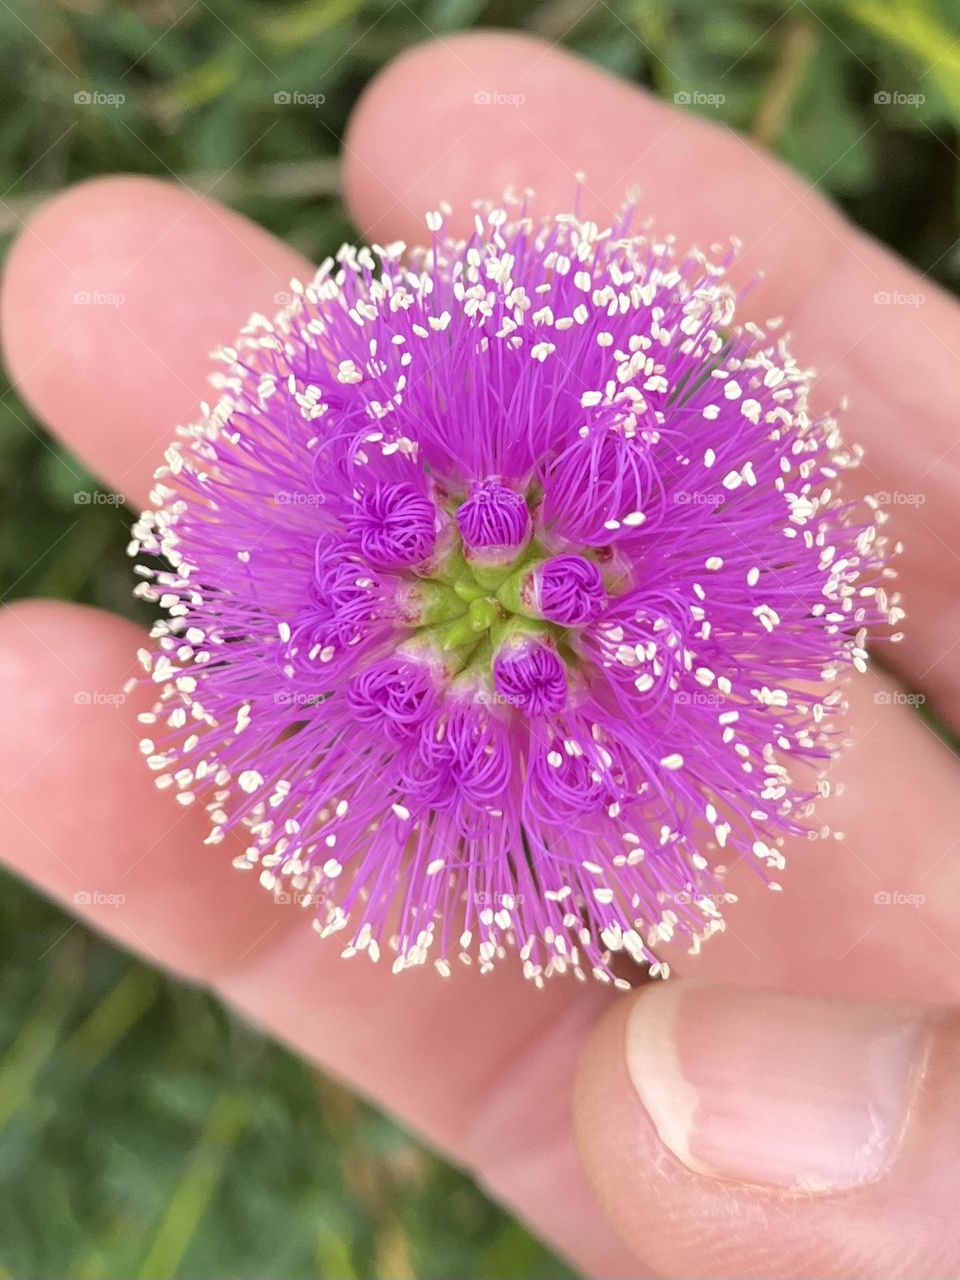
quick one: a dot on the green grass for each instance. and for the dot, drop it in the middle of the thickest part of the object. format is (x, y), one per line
(143, 1131)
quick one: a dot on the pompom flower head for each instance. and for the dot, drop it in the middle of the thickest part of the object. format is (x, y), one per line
(508, 591)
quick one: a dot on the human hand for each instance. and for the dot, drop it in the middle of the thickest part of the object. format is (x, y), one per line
(858, 1101)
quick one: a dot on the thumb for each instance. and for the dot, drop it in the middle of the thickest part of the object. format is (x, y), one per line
(737, 1133)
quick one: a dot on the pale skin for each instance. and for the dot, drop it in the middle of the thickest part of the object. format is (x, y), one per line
(622, 1168)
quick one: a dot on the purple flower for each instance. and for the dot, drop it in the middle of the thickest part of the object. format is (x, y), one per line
(508, 591)
(395, 526)
(494, 523)
(568, 590)
(530, 675)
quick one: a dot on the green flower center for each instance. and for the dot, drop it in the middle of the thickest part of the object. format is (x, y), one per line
(467, 610)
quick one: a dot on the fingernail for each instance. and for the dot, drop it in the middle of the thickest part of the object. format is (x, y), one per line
(774, 1090)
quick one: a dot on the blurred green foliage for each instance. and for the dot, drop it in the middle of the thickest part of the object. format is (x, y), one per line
(146, 1133)
(143, 1132)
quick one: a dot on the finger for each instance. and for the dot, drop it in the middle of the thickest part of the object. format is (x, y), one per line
(482, 1067)
(897, 363)
(870, 908)
(113, 298)
(82, 818)
(731, 1133)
